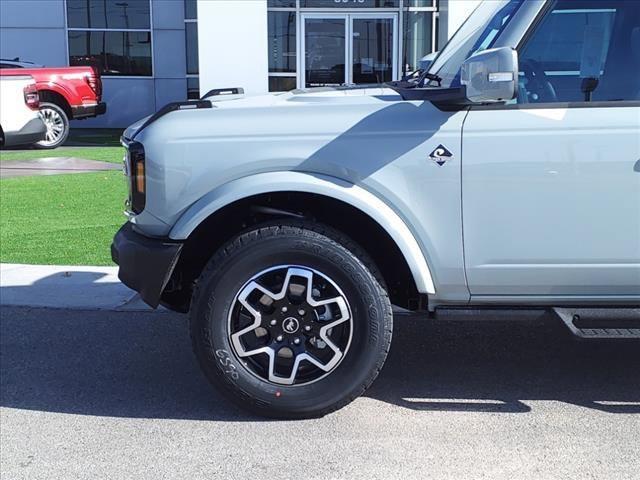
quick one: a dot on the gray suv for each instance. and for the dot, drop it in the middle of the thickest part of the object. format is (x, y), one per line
(505, 179)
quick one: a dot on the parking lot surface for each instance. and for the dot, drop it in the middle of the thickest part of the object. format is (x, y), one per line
(118, 395)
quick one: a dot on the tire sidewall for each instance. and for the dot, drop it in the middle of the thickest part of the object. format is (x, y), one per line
(361, 289)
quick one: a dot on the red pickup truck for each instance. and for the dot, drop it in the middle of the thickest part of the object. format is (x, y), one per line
(66, 93)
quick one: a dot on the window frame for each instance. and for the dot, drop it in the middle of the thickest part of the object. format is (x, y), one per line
(139, 30)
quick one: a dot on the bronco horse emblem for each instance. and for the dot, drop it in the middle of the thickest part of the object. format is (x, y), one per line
(290, 325)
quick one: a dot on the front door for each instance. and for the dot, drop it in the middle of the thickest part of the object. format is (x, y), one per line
(346, 49)
(551, 183)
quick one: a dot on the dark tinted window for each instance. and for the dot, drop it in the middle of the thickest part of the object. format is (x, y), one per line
(114, 53)
(282, 84)
(583, 50)
(191, 9)
(282, 41)
(191, 31)
(113, 14)
(193, 88)
(350, 3)
(281, 3)
(9, 65)
(420, 3)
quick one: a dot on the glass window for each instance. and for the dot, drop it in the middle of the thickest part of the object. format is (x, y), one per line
(281, 3)
(417, 40)
(350, 3)
(114, 53)
(191, 32)
(583, 50)
(282, 84)
(110, 14)
(372, 54)
(420, 3)
(193, 88)
(325, 58)
(191, 9)
(282, 42)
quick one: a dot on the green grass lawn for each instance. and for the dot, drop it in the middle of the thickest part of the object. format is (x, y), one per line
(104, 154)
(62, 219)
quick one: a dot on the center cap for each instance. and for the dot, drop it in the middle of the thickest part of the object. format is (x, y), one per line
(290, 325)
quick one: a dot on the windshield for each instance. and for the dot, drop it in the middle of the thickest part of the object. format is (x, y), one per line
(479, 32)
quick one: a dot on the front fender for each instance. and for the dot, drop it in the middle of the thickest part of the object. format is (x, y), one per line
(349, 193)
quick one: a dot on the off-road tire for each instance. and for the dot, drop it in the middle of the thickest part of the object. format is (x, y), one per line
(308, 245)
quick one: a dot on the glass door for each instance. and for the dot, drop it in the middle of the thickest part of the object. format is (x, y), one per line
(325, 51)
(372, 49)
(341, 49)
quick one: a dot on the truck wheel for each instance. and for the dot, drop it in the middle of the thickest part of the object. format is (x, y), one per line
(57, 122)
(291, 320)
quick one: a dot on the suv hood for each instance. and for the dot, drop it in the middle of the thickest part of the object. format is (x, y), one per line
(298, 98)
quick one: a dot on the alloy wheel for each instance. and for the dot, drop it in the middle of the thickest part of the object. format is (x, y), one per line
(290, 325)
(55, 126)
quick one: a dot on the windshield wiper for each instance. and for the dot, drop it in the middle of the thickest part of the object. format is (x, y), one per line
(432, 77)
(425, 75)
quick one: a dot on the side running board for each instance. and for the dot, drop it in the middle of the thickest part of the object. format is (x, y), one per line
(599, 323)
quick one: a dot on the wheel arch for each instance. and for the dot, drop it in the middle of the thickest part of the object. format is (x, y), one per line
(50, 95)
(388, 234)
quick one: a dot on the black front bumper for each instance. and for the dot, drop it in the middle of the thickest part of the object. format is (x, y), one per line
(146, 264)
(88, 111)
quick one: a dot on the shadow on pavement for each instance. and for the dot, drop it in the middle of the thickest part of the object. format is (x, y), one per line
(140, 365)
(498, 367)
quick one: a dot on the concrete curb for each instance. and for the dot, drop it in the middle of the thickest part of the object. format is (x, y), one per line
(66, 287)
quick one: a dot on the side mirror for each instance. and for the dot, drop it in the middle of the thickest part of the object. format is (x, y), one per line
(491, 75)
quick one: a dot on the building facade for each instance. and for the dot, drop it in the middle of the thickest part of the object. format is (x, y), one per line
(152, 52)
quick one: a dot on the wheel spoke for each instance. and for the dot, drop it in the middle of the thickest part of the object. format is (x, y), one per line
(257, 317)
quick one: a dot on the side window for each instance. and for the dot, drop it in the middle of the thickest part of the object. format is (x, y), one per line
(583, 51)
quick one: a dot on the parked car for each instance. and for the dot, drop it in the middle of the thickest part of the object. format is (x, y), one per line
(20, 123)
(66, 93)
(504, 181)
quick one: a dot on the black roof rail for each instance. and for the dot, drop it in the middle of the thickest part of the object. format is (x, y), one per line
(171, 107)
(223, 91)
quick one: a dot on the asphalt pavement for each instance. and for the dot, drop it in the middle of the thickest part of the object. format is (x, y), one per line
(118, 395)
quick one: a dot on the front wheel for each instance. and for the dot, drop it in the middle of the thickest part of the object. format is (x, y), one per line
(291, 321)
(57, 123)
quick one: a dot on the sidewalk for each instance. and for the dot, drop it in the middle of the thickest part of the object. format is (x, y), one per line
(65, 287)
(53, 166)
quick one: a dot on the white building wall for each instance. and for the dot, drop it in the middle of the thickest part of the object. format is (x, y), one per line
(232, 43)
(452, 15)
(459, 11)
